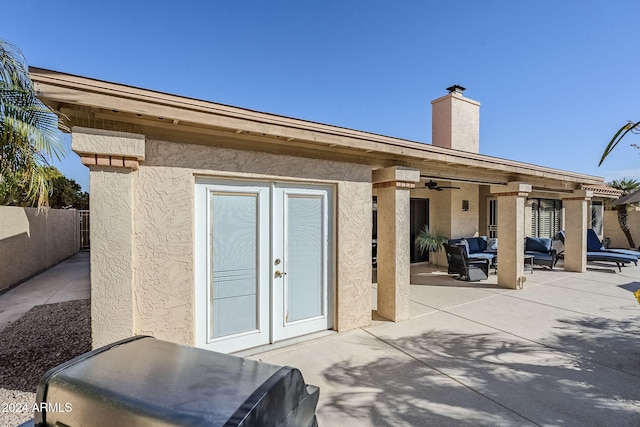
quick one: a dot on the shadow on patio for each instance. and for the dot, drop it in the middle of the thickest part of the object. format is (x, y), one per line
(562, 351)
(448, 378)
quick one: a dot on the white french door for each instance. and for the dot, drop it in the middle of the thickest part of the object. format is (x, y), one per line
(300, 246)
(263, 271)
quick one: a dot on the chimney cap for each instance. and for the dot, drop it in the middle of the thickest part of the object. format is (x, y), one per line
(456, 88)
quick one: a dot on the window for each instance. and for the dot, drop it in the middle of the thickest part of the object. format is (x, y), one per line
(374, 237)
(545, 217)
(492, 227)
(597, 214)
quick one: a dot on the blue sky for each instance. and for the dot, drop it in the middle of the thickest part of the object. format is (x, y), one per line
(555, 78)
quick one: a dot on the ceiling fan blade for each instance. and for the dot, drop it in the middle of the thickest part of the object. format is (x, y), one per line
(432, 185)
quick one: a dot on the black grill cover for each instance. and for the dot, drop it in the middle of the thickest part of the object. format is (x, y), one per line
(142, 381)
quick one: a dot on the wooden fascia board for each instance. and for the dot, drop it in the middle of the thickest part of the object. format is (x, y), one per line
(61, 88)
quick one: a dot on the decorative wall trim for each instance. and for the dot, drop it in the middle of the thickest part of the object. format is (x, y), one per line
(397, 184)
(513, 194)
(114, 161)
(582, 198)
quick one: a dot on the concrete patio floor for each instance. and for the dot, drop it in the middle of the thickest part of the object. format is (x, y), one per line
(562, 351)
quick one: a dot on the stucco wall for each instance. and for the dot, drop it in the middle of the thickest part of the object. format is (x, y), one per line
(439, 209)
(465, 223)
(446, 215)
(612, 229)
(31, 242)
(445, 209)
(164, 229)
(112, 265)
(354, 227)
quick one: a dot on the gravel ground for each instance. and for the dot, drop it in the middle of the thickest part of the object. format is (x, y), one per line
(44, 337)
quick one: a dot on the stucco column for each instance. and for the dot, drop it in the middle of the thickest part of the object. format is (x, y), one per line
(393, 185)
(112, 158)
(575, 230)
(511, 231)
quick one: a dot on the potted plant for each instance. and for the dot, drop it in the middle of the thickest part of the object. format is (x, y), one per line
(429, 241)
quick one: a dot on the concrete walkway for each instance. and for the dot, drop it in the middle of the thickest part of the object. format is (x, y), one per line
(563, 351)
(66, 281)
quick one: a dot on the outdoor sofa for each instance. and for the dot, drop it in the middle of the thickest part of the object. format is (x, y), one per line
(477, 247)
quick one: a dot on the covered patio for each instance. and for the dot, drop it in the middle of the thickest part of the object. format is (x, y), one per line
(561, 351)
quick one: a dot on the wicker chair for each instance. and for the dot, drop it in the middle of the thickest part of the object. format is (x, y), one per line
(468, 269)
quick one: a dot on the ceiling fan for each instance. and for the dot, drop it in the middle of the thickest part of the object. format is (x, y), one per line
(432, 185)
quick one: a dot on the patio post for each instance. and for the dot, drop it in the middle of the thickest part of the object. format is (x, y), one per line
(393, 185)
(576, 224)
(112, 158)
(511, 231)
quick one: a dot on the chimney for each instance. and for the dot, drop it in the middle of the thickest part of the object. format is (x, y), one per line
(456, 121)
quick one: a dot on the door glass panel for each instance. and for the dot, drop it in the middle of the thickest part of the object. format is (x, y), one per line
(418, 219)
(234, 258)
(597, 214)
(305, 248)
(493, 219)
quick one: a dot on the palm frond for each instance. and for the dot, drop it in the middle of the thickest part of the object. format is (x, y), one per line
(628, 127)
(429, 240)
(29, 132)
(627, 185)
(13, 65)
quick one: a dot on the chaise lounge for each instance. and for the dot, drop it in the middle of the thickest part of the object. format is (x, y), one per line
(603, 256)
(595, 245)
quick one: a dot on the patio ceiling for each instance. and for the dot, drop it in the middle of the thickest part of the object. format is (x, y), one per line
(97, 104)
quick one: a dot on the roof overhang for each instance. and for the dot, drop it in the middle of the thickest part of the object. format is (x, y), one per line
(94, 103)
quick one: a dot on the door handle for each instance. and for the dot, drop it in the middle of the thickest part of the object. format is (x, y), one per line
(279, 274)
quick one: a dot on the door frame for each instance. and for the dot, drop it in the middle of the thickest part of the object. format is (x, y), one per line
(415, 227)
(281, 328)
(202, 266)
(201, 255)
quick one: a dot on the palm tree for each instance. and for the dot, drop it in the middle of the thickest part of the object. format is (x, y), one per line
(29, 133)
(627, 186)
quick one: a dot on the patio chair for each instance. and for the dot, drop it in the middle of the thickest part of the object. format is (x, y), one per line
(542, 251)
(601, 256)
(468, 269)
